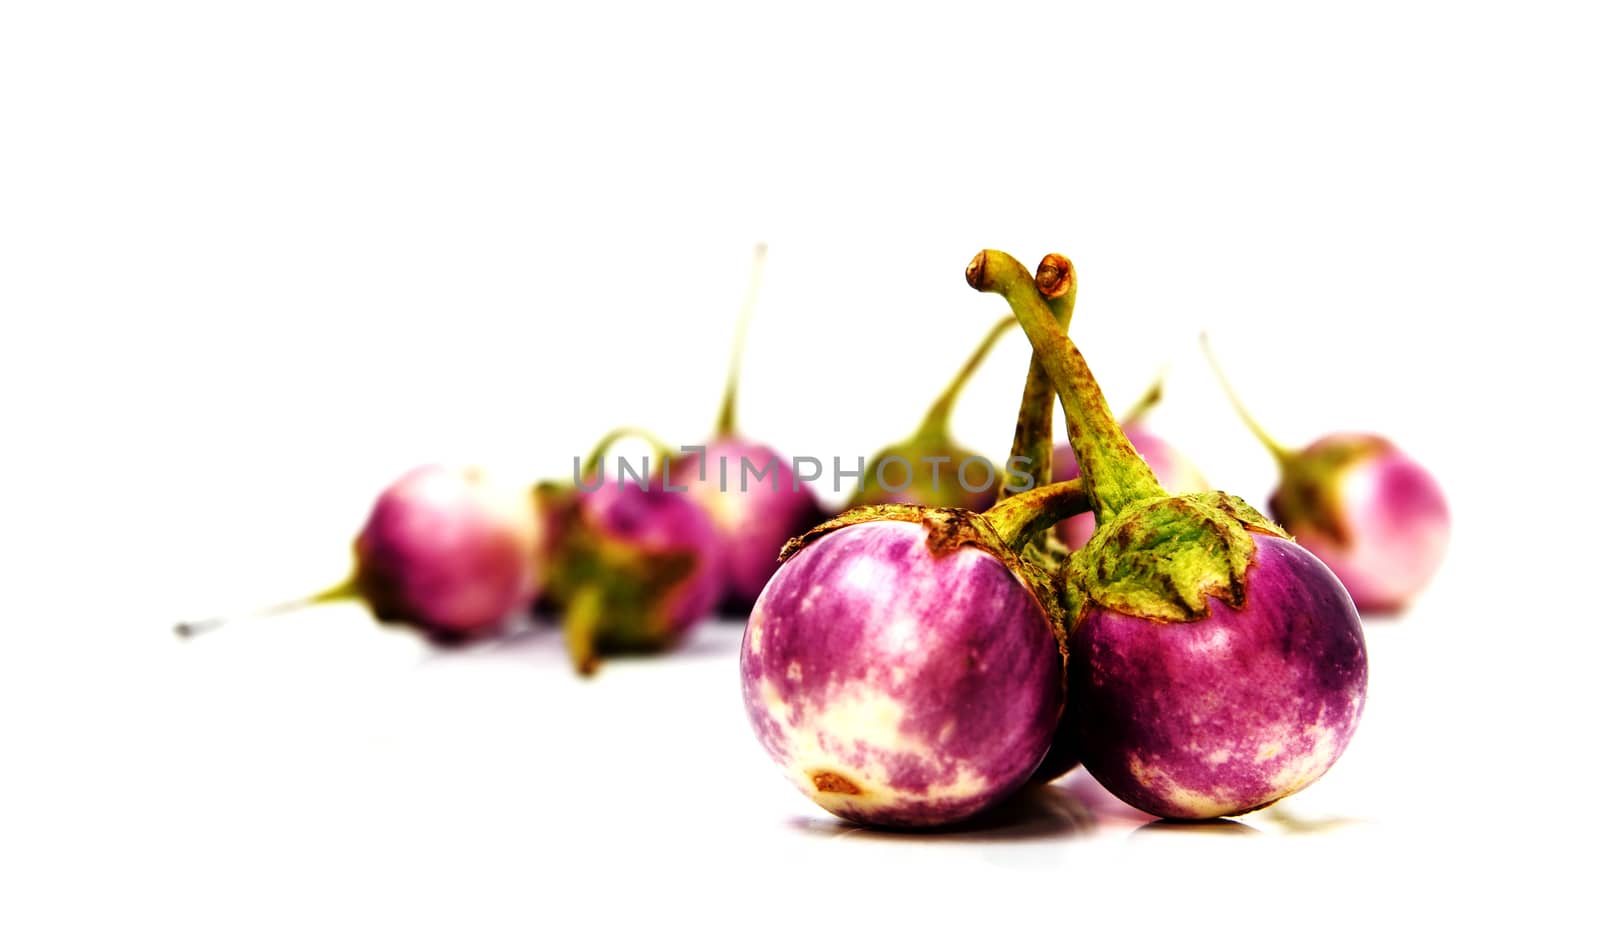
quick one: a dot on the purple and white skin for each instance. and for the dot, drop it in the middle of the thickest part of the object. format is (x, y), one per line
(1371, 513)
(753, 516)
(1214, 666)
(1228, 713)
(445, 549)
(1374, 515)
(901, 667)
(637, 565)
(448, 551)
(756, 512)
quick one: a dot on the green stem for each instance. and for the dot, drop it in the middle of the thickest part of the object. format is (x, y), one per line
(596, 455)
(727, 419)
(344, 590)
(936, 426)
(1033, 443)
(1021, 517)
(1112, 470)
(1147, 401)
(581, 628)
(1282, 454)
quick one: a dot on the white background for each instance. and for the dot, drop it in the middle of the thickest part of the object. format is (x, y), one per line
(257, 259)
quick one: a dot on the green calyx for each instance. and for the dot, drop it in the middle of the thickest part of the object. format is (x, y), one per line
(1004, 531)
(1164, 558)
(615, 596)
(1308, 495)
(948, 528)
(923, 472)
(932, 463)
(1153, 555)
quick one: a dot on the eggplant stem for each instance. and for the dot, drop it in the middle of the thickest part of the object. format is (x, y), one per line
(1018, 519)
(1279, 452)
(603, 446)
(727, 418)
(1034, 441)
(344, 590)
(936, 425)
(581, 629)
(1112, 469)
(1151, 397)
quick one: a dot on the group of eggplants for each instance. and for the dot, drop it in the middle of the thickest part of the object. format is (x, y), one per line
(916, 659)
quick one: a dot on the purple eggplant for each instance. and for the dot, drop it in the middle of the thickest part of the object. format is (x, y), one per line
(444, 550)
(1229, 712)
(903, 667)
(634, 564)
(1370, 512)
(755, 509)
(1214, 666)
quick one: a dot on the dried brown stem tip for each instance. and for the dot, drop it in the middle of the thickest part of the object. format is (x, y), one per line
(976, 270)
(1055, 276)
